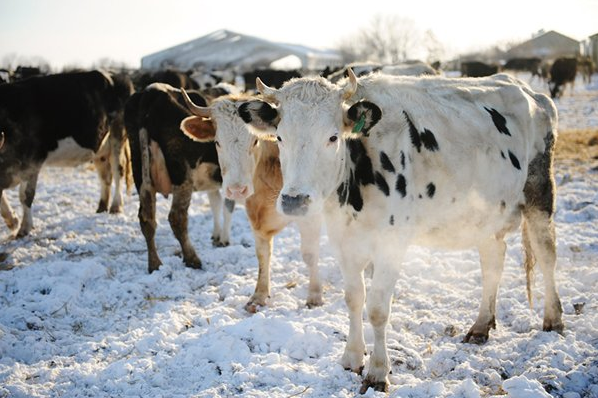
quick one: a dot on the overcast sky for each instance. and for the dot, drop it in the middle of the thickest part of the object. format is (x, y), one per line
(80, 32)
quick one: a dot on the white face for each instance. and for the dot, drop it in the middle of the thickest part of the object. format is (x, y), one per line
(235, 146)
(311, 150)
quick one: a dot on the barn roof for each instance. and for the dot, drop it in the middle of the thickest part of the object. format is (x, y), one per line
(224, 49)
(547, 45)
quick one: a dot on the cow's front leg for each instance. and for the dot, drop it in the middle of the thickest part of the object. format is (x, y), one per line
(310, 251)
(263, 251)
(9, 216)
(379, 299)
(26, 195)
(492, 258)
(178, 218)
(353, 357)
(220, 237)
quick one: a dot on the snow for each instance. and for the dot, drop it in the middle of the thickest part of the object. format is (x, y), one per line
(81, 317)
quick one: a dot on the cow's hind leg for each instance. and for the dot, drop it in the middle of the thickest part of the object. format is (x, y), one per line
(492, 258)
(117, 166)
(178, 218)
(9, 216)
(147, 221)
(26, 195)
(541, 235)
(102, 165)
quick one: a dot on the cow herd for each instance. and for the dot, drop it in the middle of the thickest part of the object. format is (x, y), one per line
(387, 159)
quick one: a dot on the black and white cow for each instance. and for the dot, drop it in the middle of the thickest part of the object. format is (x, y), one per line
(64, 120)
(393, 161)
(166, 161)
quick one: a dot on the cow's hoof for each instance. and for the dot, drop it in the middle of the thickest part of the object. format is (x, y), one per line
(314, 302)
(475, 338)
(115, 209)
(194, 263)
(553, 327)
(254, 304)
(376, 385)
(358, 371)
(102, 208)
(216, 242)
(21, 234)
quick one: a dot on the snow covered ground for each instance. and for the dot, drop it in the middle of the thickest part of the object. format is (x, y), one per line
(80, 316)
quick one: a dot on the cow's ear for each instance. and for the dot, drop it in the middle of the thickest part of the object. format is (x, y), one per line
(362, 116)
(260, 115)
(198, 129)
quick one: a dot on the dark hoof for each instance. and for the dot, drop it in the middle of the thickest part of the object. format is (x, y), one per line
(359, 371)
(219, 243)
(193, 263)
(102, 208)
(153, 266)
(376, 385)
(558, 327)
(475, 338)
(314, 304)
(116, 209)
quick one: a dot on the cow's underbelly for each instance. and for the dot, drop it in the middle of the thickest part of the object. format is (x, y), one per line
(68, 154)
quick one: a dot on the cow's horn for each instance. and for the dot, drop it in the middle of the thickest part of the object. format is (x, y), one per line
(195, 109)
(266, 91)
(351, 87)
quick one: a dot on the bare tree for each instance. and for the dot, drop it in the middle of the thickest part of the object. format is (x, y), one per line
(389, 39)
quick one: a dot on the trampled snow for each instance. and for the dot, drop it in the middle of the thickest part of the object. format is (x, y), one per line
(81, 317)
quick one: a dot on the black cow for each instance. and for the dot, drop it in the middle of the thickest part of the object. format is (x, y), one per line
(64, 120)
(272, 77)
(563, 71)
(164, 160)
(477, 69)
(531, 65)
(172, 77)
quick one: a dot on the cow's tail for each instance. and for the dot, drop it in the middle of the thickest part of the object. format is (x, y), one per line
(145, 158)
(529, 261)
(128, 167)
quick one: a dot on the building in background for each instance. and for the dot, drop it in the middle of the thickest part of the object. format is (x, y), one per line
(224, 49)
(547, 46)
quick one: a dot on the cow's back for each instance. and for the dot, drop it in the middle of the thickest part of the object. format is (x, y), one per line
(460, 150)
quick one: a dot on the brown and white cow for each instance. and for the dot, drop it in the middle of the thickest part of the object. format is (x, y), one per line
(251, 173)
(394, 161)
(165, 161)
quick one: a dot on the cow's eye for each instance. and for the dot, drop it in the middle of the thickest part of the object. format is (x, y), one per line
(333, 138)
(278, 138)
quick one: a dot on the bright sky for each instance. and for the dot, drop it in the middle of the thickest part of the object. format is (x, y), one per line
(79, 32)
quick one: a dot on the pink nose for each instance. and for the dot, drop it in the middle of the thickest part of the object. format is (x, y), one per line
(237, 192)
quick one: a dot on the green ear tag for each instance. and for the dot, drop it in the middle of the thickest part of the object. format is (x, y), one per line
(359, 125)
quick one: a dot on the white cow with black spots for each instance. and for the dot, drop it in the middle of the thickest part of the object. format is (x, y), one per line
(393, 161)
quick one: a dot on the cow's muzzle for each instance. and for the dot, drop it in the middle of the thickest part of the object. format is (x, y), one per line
(294, 205)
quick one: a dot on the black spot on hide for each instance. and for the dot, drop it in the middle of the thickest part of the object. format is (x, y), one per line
(502, 154)
(499, 121)
(429, 141)
(413, 133)
(361, 174)
(382, 185)
(386, 163)
(403, 160)
(430, 190)
(514, 160)
(401, 185)
(392, 220)
(426, 138)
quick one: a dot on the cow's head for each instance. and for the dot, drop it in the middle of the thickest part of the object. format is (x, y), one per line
(221, 124)
(311, 121)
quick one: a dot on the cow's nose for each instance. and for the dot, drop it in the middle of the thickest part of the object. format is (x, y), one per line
(294, 205)
(237, 192)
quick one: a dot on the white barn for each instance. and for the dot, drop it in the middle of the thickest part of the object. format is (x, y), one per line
(224, 49)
